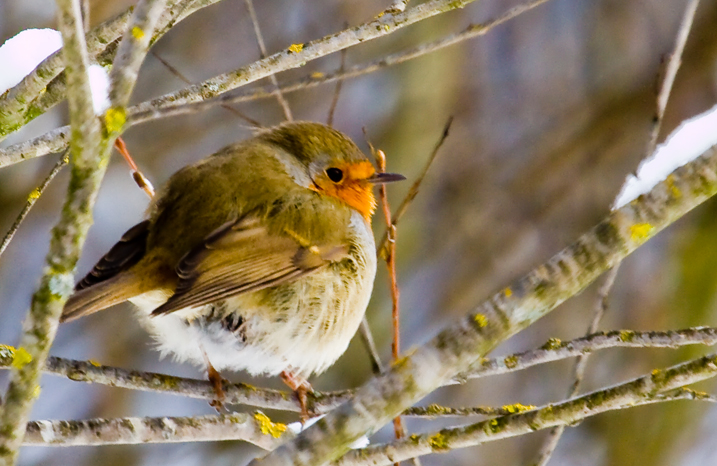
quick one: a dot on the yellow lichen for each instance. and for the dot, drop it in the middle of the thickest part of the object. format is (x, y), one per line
(517, 408)
(34, 195)
(641, 231)
(36, 391)
(115, 118)
(275, 429)
(626, 335)
(296, 48)
(674, 190)
(552, 344)
(21, 358)
(480, 320)
(94, 363)
(137, 32)
(511, 361)
(508, 292)
(438, 441)
(317, 75)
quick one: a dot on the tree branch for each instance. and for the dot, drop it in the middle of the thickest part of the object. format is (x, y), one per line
(45, 86)
(257, 429)
(54, 141)
(67, 237)
(647, 389)
(523, 302)
(238, 393)
(658, 386)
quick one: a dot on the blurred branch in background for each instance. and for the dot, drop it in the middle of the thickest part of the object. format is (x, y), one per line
(55, 140)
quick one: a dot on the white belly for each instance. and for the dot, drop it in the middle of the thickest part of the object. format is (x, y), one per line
(305, 329)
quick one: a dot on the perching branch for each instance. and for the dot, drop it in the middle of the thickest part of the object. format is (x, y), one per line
(658, 386)
(239, 393)
(514, 308)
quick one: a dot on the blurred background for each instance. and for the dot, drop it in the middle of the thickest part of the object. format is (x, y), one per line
(552, 110)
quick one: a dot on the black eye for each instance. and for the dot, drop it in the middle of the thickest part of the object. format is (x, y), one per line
(334, 174)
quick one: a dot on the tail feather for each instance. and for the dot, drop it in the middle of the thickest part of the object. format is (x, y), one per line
(100, 296)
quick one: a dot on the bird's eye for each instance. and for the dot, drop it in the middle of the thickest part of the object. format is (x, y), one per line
(335, 174)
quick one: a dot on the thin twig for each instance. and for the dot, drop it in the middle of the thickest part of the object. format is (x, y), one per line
(142, 182)
(186, 80)
(413, 191)
(367, 338)
(32, 199)
(398, 429)
(44, 88)
(673, 65)
(337, 91)
(262, 51)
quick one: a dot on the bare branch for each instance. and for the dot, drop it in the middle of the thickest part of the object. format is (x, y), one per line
(658, 386)
(49, 143)
(31, 200)
(45, 86)
(262, 50)
(647, 389)
(132, 49)
(67, 237)
(673, 65)
(551, 441)
(517, 306)
(257, 429)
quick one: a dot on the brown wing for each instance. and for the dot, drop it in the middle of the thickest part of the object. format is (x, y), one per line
(243, 256)
(123, 255)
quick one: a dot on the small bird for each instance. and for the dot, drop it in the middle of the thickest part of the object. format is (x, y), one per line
(258, 258)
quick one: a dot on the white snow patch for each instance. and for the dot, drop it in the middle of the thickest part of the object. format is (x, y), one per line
(690, 140)
(21, 54)
(100, 87)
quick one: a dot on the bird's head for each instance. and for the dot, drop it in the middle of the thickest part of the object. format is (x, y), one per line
(328, 162)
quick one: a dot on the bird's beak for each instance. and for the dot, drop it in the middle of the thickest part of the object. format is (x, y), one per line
(380, 178)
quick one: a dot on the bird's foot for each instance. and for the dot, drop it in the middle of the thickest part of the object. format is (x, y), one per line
(301, 388)
(217, 381)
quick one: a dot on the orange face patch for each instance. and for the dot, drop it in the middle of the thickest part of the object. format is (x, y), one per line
(353, 189)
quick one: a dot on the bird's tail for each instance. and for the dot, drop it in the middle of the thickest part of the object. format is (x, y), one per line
(101, 295)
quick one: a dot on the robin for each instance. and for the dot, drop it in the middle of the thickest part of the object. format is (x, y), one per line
(258, 258)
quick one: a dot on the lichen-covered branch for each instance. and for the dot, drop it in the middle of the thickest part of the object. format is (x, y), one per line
(643, 390)
(138, 115)
(254, 428)
(45, 86)
(257, 428)
(512, 309)
(68, 236)
(131, 51)
(55, 140)
(553, 350)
